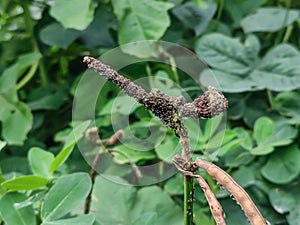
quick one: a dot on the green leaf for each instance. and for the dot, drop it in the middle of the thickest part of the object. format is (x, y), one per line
(244, 136)
(279, 70)
(72, 138)
(113, 196)
(48, 35)
(78, 220)
(151, 197)
(174, 186)
(263, 130)
(237, 10)
(255, 107)
(10, 75)
(128, 204)
(164, 82)
(212, 125)
(283, 135)
(74, 14)
(238, 157)
(168, 148)
(228, 82)
(201, 217)
(244, 176)
(283, 166)
(15, 116)
(132, 20)
(262, 149)
(269, 135)
(16, 216)
(97, 34)
(146, 219)
(282, 200)
(48, 97)
(29, 182)
(217, 140)
(121, 104)
(294, 216)
(252, 46)
(2, 144)
(288, 105)
(67, 192)
(196, 136)
(281, 51)
(225, 148)
(15, 164)
(134, 154)
(223, 53)
(269, 19)
(194, 16)
(16, 121)
(61, 157)
(278, 75)
(40, 161)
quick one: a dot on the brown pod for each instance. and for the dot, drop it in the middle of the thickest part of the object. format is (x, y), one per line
(239, 194)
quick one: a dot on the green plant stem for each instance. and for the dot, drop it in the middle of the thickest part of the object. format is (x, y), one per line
(282, 35)
(174, 69)
(30, 30)
(28, 76)
(271, 99)
(288, 33)
(188, 200)
(43, 73)
(149, 74)
(219, 13)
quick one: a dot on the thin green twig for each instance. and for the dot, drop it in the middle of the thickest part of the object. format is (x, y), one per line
(188, 200)
(271, 99)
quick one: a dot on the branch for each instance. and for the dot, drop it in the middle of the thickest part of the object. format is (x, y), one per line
(168, 109)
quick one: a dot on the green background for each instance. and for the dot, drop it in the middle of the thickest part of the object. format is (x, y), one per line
(250, 46)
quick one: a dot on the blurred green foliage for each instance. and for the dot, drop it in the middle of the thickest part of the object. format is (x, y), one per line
(251, 48)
